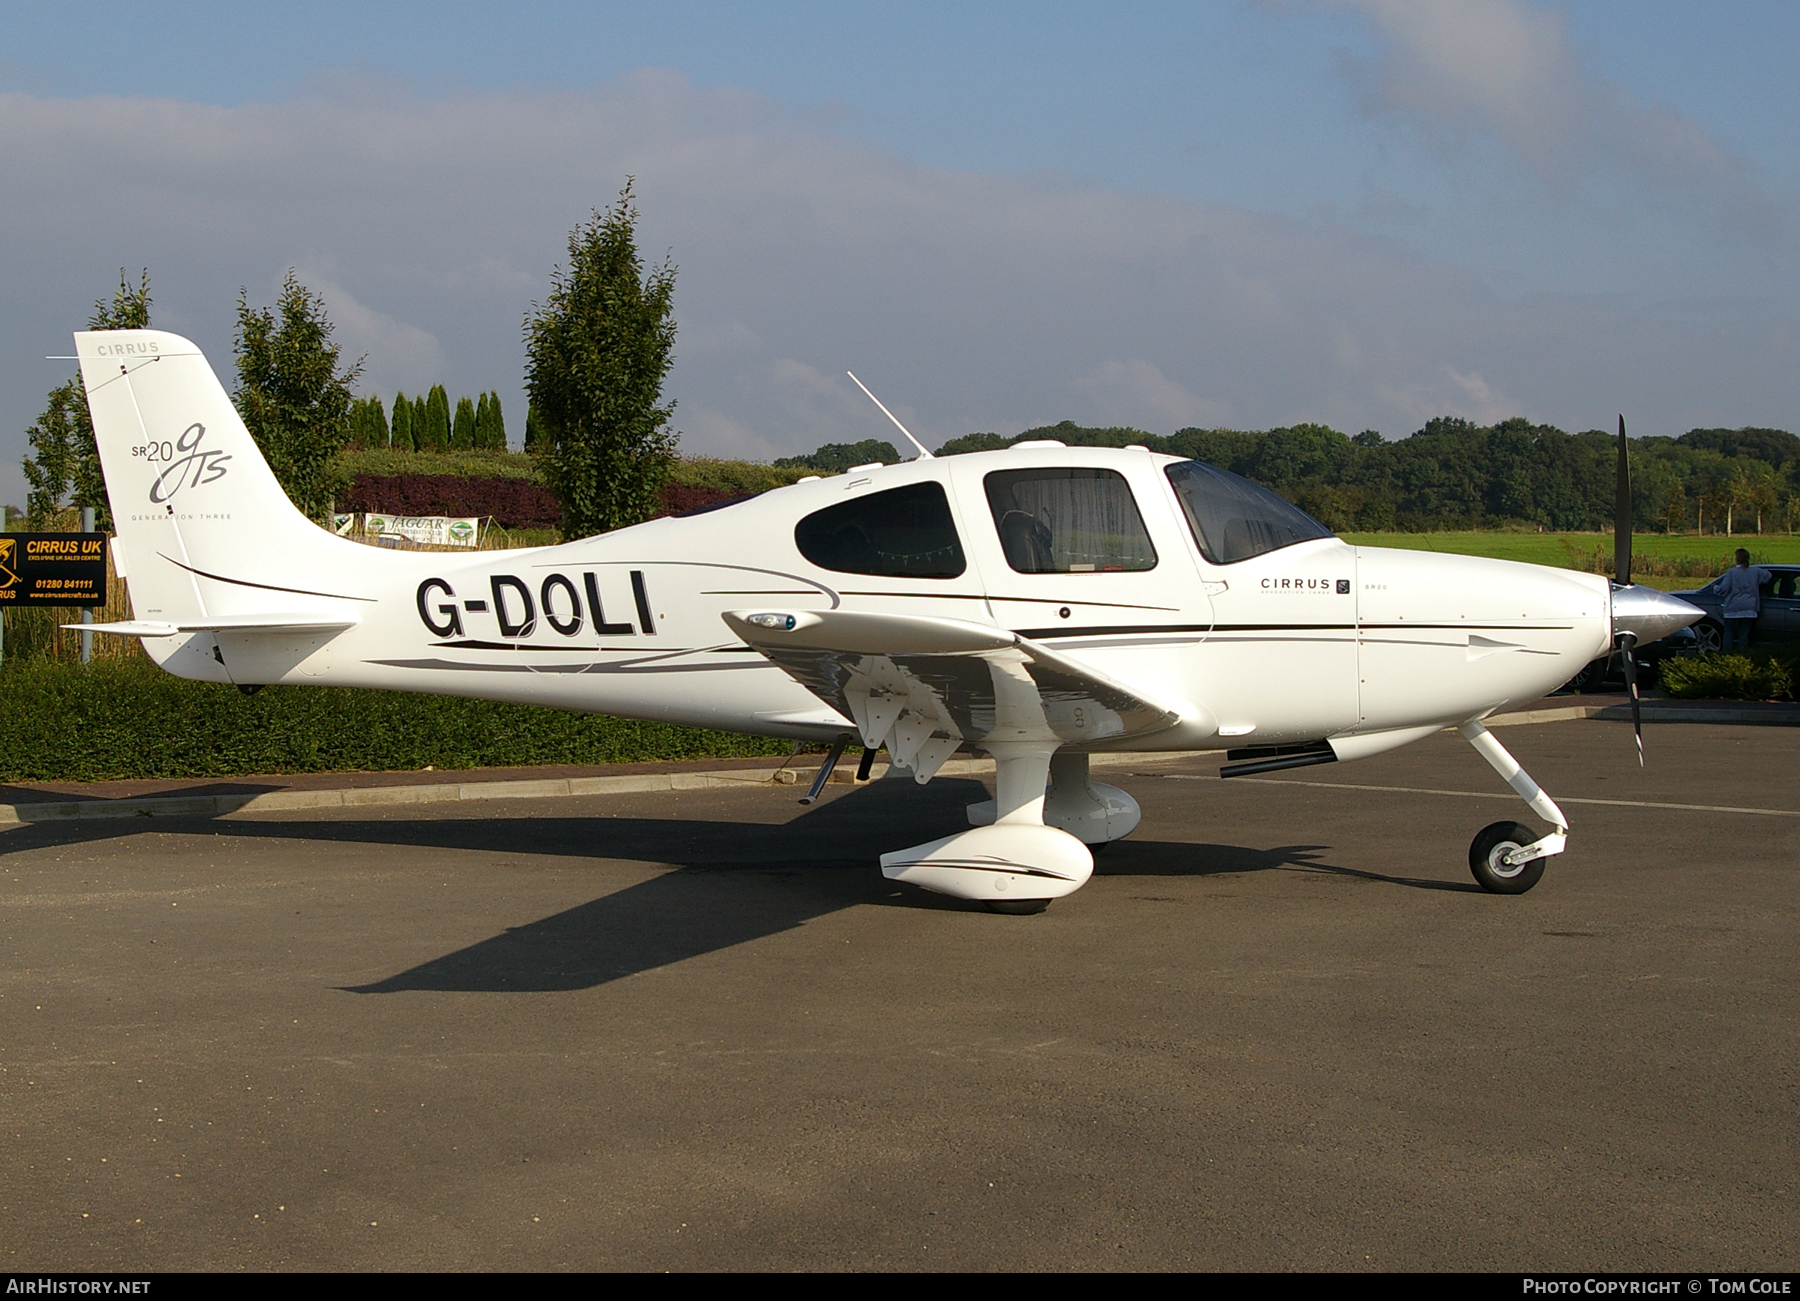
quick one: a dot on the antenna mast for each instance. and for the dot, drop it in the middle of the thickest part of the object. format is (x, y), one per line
(924, 455)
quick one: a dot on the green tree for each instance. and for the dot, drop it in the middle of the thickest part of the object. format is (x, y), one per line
(534, 429)
(293, 396)
(462, 430)
(835, 458)
(437, 420)
(54, 436)
(402, 436)
(368, 423)
(984, 442)
(65, 470)
(598, 351)
(490, 425)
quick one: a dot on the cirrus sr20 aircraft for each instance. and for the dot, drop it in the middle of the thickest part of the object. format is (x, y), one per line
(1039, 604)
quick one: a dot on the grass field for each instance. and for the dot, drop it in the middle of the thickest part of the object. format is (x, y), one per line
(1667, 561)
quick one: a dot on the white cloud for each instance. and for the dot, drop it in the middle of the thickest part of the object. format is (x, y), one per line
(395, 355)
(1137, 393)
(967, 301)
(1505, 70)
(711, 432)
(1453, 393)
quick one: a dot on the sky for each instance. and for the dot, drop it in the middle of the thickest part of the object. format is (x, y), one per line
(1361, 212)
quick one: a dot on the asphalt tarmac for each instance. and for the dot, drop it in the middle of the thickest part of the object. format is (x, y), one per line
(1280, 1029)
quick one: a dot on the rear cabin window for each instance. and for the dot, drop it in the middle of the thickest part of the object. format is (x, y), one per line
(901, 533)
(1234, 519)
(1068, 521)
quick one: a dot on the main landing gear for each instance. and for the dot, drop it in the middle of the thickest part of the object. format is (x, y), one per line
(1029, 844)
(1504, 857)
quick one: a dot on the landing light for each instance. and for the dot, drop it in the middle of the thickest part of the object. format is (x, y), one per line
(784, 622)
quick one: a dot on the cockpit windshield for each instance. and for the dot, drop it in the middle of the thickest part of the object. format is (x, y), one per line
(1234, 519)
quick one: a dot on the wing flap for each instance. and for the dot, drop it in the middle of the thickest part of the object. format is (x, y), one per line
(925, 686)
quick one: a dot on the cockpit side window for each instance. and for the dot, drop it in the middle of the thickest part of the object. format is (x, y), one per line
(1234, 519)
(1060, 520)
(901, 533)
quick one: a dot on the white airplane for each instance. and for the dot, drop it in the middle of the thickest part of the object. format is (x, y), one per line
(1038, 604)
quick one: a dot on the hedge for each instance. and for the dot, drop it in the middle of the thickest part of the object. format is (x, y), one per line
(1762, 674)
(120, 719)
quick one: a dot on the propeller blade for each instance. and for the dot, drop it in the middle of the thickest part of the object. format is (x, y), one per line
(1622, 515)
(1628, 644)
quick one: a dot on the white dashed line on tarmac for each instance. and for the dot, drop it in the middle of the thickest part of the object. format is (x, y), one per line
(1478, 795)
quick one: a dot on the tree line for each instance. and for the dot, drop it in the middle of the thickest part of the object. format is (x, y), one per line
(598, 428)
(1455, 474)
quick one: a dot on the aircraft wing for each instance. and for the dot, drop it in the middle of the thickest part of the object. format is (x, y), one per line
(926, 686)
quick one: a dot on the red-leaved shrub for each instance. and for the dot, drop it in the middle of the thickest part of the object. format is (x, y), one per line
(512, 503)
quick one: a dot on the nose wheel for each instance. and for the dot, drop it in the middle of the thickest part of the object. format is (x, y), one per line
(1493, 856)
(1508, 857)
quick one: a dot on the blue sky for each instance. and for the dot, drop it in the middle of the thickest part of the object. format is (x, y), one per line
(1365, 212)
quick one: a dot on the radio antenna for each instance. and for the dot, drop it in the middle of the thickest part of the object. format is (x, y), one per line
(924, 455)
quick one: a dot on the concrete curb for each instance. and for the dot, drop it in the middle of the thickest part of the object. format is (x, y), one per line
(210, 806)
(207, 806)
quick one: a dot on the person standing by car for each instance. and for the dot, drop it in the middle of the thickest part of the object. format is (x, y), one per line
(1740, 590)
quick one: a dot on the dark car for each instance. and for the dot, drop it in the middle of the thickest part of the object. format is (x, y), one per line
(1609, 669)
(1779, 620)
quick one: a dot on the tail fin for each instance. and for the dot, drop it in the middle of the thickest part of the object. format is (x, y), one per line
(205, 530)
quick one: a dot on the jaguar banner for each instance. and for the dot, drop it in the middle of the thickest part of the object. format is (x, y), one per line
(434, 530)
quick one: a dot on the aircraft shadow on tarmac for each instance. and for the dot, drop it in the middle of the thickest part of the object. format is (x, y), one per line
(735, 881)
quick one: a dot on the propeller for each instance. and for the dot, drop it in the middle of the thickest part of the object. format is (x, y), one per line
(1622, 515)
(1622, 576)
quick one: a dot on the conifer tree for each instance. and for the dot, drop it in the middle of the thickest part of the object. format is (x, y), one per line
(368, 423)
(437, 419)
(402, 436)
(490, 428)
(497, 438)
(462, 432)
(533, 429)
(378, 423)
(598, 352)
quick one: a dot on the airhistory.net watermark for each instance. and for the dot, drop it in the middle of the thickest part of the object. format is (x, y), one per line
(77, 1287)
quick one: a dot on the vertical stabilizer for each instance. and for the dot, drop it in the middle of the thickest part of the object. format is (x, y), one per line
(204, 527)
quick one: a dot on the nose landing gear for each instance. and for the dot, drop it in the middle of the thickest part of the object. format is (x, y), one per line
(1505, 857)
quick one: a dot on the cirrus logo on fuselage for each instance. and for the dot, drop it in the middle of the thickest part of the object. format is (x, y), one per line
(1338, 586)
(184, 463)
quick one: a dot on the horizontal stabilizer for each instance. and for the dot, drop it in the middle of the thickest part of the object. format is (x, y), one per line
(222, 623)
